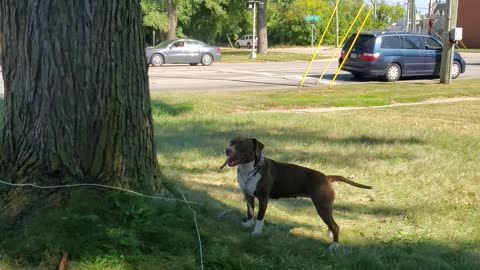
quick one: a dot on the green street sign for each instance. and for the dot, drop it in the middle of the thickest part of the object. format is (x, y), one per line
(312, 18)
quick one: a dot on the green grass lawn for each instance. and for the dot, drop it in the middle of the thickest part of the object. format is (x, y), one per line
(468, 50)
(243, 55)
(422, 160)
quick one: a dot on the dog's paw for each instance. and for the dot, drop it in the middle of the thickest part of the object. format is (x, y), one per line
(258, 227)
(257, 232)
(249, 223)
(334, 246)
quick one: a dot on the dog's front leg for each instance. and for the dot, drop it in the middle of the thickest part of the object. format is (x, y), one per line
(250, 211)
(262, 207)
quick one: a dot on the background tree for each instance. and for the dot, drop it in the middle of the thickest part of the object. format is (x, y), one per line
(262, 27)
(155, 18)
(172, 13)
(386, 14)
(77, 105)
(212, 20)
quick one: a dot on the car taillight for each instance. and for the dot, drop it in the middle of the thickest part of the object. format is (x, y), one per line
(370, 56)
(342, 54)
(218, 49)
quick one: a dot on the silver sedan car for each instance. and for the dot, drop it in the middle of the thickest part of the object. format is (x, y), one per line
(182, 51)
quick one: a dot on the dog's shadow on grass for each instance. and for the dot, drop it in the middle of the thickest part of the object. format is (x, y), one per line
(342, 208)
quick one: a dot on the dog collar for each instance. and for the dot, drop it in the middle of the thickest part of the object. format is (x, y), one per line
(259, 164)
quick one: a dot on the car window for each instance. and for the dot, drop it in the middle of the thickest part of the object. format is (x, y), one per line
(413, 42)
(364, 42)
(432, 44)
(164, 44)
(178, 44)
(194, 43)
(391, 42)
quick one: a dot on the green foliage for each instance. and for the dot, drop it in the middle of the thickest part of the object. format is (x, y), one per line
(386, 15)
(212, 20)
(154, 15)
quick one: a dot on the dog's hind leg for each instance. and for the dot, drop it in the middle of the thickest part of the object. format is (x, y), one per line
(326, 213)
(250, 211)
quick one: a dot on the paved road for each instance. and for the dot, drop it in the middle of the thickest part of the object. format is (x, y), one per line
(261, 76)
(258, 76)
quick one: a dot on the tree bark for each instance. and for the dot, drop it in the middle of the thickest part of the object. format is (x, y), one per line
(171, 7)
(262, 45)
(77, 105)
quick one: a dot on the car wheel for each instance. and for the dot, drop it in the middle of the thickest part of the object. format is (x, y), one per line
(249, 45)
(393, 73)
(193, 64)
(456, 69)
(207, 59)
(157, 60)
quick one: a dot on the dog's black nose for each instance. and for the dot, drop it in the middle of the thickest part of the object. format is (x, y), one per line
(228, 151)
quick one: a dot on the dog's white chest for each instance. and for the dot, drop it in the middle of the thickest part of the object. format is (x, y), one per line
(247, 178)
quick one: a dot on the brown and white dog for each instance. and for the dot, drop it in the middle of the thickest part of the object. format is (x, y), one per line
(265, 178)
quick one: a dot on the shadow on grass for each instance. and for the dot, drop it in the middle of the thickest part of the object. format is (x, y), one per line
(104, 230)
(279, 248)
(159, 107)
(210, 137)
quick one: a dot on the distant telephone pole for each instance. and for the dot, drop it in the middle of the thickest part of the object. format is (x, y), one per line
(413, 16)
(336, 29)
(448, 43)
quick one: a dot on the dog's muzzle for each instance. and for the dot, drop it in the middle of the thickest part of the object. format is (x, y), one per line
(229, 160)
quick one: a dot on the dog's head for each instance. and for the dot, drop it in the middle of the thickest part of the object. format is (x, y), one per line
(242, 150)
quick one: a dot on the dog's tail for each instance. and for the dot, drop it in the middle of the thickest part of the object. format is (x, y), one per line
(333, 178)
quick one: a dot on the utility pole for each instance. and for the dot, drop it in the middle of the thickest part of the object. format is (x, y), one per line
(430, 8)
(254, 55)
(448, 44)
(413, 16)
(336, 28)
(407, 20)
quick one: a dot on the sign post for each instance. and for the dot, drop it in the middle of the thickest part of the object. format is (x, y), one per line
(253, 5)
(312, 20)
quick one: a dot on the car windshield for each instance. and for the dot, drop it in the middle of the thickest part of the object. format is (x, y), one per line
(164, 44)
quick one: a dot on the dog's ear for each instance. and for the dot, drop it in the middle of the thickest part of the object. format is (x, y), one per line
(257, 146)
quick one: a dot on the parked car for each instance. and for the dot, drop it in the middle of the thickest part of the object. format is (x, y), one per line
(182, 51)
(246, 41)
(393, 55)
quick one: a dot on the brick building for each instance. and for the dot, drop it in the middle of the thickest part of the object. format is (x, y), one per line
(468, 18)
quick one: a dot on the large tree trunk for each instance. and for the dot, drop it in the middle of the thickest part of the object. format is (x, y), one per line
(172, 18)
(77, 105)
(262, 28)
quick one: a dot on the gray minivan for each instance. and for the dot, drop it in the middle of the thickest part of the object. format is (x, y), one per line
(393, 55)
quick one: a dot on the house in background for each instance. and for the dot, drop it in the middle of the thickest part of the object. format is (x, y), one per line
(468, 19)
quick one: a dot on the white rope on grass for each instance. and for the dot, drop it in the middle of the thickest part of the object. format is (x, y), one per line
(97, 185)
(187, 202)
(198, 231)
